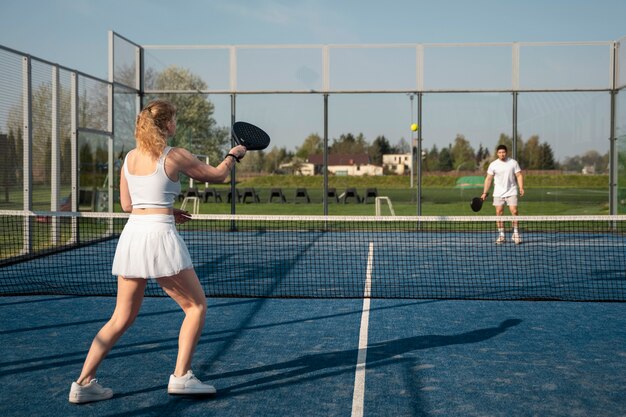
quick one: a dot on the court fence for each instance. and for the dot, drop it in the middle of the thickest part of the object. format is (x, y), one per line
(65, 132)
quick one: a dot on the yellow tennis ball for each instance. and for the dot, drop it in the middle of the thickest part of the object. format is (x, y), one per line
(414, 127)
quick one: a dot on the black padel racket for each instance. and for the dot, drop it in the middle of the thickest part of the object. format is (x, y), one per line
(477, 203)
(250, 136)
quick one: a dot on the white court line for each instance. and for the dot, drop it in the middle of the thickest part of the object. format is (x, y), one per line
(358, 397)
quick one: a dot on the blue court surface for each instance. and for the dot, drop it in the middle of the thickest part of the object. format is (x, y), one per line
(303, 357)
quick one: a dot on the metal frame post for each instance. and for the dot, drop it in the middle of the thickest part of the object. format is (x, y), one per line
(55, 156)
(419, 153)
(27, 143)
(325, 155)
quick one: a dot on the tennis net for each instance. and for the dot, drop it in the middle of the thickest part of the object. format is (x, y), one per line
(579, 258)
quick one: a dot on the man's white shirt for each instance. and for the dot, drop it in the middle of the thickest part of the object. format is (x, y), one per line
(504, 180)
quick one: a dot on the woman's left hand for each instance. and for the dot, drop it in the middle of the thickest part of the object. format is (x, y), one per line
(181, 216)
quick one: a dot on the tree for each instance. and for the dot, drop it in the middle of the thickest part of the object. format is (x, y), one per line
(197, 130)
(403, 146)
(445, 160)
(431, 163)
(312, 145)
(530, 155)
(595, 160)
(349, 144)
(546, 157)
(573, 164)
(378, 148)
(483, 158)
(506, 141)
(253, 162)
(463, 156)
(274, 158)
(480, 153)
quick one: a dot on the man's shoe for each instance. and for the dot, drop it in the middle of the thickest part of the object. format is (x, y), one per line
(516, 238)
(500, 240)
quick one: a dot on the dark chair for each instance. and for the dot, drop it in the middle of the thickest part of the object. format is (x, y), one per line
(302, 193)
(190, 192)
(278, 193)
(332, 193)
(212, 192)
(87, 198)
(351, 193)
(237, 194)
(251, 192)
(370, 193)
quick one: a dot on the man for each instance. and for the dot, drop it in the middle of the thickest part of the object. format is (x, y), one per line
(507, 177)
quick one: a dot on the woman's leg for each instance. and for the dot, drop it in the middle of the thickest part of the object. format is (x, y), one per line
(186, 290)
(129, 298)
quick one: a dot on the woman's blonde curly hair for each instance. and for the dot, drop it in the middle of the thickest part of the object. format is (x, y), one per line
(151, 129)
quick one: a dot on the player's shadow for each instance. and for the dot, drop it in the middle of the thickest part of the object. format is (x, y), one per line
(323, 365)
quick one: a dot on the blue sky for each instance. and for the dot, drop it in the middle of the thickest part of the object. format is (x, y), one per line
(74, 33)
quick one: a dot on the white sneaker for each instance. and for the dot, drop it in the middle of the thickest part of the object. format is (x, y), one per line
(516, 238)
(500, 240)
(93, 391)
(188, 385)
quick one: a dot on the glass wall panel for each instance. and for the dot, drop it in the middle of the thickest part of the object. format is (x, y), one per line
(283, 69)
(565, 66)
(172, 69)
(620, 133)
(621, 62)
(282, 179)
(460, 134)
(93, 155)
(203, 128)
(564, 151)
(124, 117)
(11, 132)
(125, 62)
(363, 128)
(373, 69)
(467, 67)
(41, 101)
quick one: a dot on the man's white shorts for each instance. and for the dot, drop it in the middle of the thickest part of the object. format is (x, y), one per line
(509, 201)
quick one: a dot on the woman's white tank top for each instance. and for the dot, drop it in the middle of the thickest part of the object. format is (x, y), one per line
(154, 190)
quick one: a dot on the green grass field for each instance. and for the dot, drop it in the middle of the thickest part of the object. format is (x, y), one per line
(569, 195)
(545, 195)
(435, 202)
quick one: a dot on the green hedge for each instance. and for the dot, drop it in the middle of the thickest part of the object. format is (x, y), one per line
(396, 181)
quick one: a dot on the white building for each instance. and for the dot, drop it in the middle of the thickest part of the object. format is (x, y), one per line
(399, 164)
(346, 165)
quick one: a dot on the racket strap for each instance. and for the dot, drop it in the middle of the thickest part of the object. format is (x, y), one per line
(235, 157)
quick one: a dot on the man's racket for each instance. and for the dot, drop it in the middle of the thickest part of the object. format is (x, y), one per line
(477, 203)
(250, 136)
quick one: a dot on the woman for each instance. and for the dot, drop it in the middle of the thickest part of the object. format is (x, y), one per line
(150, 247)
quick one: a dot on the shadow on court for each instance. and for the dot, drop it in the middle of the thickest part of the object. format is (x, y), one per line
(287, 373)
(298, 357)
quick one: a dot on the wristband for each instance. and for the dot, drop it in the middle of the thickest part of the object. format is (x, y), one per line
(233, 156)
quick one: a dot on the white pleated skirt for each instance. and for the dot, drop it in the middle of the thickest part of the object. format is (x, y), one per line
(150, 247)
